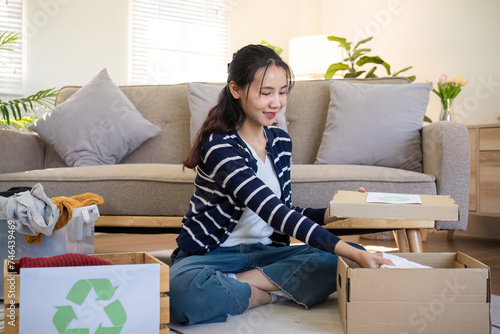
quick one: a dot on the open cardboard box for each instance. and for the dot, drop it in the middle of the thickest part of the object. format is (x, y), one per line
(452, 297)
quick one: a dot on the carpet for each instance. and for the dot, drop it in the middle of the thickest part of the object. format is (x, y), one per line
(286, 318)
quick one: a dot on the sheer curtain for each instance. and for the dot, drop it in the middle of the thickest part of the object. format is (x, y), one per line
(174, 41)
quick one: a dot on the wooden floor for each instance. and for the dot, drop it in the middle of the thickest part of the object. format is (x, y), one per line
(484, 250)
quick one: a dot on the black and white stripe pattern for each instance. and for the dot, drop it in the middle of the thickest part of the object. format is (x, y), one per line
(226, 183)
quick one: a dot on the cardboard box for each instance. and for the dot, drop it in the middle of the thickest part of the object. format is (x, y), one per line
(352, 204)
(12, 288)
(452, 297)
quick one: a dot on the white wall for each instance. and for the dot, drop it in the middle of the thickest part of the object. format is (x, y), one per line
(69, 41)
(275, 21)
(446, 36)
(435, 37)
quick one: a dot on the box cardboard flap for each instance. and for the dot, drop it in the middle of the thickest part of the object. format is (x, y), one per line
(342, 289)
(432, 316)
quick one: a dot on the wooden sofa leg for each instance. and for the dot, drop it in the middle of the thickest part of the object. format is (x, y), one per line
(415, 240)
(401, 241)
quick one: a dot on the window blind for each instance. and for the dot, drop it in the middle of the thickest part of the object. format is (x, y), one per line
(11, 66)
(176, 41)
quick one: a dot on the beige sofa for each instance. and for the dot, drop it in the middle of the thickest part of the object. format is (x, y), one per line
(150, 188)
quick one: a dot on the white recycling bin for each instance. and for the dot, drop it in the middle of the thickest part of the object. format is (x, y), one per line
(76, 237)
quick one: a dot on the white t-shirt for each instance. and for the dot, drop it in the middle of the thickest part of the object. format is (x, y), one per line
(251, 229)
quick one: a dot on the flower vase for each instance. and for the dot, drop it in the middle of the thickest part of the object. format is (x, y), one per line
(447, 111)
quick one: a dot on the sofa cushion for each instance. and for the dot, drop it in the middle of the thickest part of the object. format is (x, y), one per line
(97, 125)
(202, 97)
(166, 189)
(377, 125)
(306, 113)
(127, 189)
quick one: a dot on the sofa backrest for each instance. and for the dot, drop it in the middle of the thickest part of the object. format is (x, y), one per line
(167, 106)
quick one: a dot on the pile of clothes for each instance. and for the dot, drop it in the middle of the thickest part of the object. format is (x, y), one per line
(35, 214)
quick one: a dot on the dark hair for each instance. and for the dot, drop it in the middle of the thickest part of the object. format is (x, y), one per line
(227, 115)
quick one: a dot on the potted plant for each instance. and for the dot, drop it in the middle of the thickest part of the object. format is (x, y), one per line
(18, 113)
(356, 58)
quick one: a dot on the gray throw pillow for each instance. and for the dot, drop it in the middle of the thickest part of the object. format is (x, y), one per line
(377, 125)
(202, 97)
(97, 125)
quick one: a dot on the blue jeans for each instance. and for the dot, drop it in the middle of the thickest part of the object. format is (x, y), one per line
(201, 293)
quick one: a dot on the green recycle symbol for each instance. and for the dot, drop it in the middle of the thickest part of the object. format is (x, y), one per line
(394, 199)
(78, 293)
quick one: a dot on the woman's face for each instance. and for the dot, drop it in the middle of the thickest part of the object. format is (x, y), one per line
(266, 95)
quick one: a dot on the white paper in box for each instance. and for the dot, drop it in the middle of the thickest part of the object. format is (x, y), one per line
(76, 237)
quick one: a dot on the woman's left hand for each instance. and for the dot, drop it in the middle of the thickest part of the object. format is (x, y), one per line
(370, 260)
(329, 218)
(363, 258)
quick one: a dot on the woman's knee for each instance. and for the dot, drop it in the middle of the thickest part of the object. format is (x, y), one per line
(205, 295)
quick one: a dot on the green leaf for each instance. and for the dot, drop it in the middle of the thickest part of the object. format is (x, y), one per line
(353, 75)
(371, 73)
(333, 68)
(375, 60)
(6, 38)
(19, 115)
(427, 119)
(358, 53)
(275, 48)
(5, 113)
(343, 42)
(367, 59)
(401, 71)
(362, 42)
(44, 98)
(411, 78)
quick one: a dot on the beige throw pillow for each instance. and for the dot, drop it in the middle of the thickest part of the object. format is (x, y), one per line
(97, 125)
(377, 125)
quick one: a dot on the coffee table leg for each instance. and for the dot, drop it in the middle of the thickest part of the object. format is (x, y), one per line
(401, 241)
(415, 240)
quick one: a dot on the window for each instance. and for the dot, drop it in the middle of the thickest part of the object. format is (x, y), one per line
(11, 62)
(175, 41)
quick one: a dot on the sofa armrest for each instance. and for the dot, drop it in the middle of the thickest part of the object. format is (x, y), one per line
(21, 151)
(446, 155)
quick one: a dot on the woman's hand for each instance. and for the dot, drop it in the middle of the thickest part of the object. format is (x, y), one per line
(370, 260)
(363, 258)
(330, 219)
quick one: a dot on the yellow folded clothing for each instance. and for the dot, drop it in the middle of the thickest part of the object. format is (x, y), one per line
(66, 206)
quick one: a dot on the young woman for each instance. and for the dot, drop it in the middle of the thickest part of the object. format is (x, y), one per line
(234, 251)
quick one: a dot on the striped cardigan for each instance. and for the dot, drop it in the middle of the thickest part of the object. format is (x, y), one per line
(226, 183)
